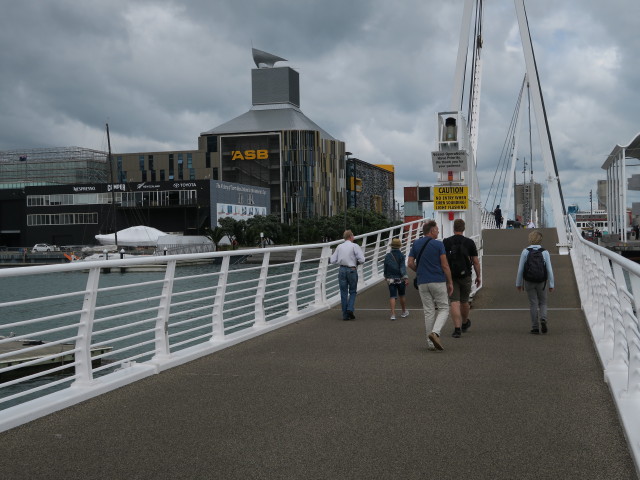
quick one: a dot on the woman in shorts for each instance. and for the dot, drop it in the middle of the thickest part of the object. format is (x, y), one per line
(395, 273)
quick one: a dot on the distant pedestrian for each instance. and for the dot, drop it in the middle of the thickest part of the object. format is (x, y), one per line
(395, 273)
(462, 255)
(429, 260)
(348, 255)
(534, 275)
(497, 213)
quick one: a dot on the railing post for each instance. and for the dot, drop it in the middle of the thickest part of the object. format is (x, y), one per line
(321, 277)
(362, 281)
(620, 353)
(635, 290)
(293, 288)
(633, 376)
(260, 291)
(604, 287)
(84, 371)
(162, 320)
(375, 268)
(217, 314)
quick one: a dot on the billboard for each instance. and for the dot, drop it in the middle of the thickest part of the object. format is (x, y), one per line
(240, 202)
(250, 159)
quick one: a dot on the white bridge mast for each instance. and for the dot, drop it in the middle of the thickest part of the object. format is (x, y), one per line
(550, 167)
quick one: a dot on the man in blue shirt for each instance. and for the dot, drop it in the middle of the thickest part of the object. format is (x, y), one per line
(428, 259)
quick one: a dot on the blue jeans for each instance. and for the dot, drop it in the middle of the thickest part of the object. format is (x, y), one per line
(348, 281)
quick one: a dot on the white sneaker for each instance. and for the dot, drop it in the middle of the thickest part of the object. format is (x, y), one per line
(405, 314)
(393, 317)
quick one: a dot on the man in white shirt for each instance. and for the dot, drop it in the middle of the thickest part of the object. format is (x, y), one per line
(348, 255)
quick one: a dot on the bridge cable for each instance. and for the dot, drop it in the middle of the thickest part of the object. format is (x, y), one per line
(477, 37)
(546, 121)
(512, 142)
(499, 182)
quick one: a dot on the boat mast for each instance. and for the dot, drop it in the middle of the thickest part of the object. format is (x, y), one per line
(113, 195)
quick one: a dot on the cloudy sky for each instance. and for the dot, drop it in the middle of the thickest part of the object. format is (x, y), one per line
(372, 73)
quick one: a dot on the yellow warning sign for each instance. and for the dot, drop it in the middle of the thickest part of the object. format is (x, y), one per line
(451, 198)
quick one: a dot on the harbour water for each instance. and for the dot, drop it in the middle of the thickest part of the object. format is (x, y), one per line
(132, 335)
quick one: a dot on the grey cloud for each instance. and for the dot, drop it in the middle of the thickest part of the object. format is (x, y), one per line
(373, 73)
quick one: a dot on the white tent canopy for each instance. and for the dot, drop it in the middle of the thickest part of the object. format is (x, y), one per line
(183, 240)
(138, 236)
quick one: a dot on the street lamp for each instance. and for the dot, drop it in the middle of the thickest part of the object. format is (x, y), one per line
(346, 190)
(296, 195)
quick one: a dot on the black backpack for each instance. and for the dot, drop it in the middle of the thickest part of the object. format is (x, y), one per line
(458, 258)
(535, 269)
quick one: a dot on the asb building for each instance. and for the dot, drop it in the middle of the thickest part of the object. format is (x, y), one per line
(274, 145)
(272, 159)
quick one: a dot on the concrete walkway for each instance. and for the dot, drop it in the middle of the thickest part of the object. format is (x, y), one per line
(327, 399)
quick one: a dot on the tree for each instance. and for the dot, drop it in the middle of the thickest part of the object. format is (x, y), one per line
(234, 229)
(215, 235)
(268, 225)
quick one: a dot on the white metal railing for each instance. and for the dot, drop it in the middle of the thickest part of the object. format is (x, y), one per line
(609, 287)
(107, 323)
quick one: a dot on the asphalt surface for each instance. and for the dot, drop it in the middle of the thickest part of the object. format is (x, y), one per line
(364, 399)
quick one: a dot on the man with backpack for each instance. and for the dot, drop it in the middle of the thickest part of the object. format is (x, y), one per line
(462, 255)
(534, 270)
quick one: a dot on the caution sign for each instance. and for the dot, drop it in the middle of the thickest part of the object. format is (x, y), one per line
(451, 199)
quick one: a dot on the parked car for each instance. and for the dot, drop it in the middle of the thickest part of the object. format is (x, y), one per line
(44, 247)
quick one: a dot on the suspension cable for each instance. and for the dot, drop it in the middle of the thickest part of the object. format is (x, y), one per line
(499, 180)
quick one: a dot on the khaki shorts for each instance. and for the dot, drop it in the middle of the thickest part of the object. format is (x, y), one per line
(461, 290)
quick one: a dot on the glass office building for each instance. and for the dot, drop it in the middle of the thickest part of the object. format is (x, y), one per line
(52, 166)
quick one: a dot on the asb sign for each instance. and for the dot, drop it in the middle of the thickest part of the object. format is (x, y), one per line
(455, 161)
(450, 198)
(249, 155)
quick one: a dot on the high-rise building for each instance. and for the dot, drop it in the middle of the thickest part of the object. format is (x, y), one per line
(529, 203)
(602, 195)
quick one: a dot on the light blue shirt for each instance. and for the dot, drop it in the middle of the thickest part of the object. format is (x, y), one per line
(547, 262)
(348, 254)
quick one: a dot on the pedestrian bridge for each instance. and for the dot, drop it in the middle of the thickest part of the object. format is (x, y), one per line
(249, 372)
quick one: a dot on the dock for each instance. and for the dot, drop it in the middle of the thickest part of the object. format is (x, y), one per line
(34, 355)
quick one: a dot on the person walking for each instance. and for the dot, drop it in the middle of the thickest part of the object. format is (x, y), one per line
(498, 214)
(395, 273)
(428, 259)
(462, 254)
(348, 255)
(536, 273)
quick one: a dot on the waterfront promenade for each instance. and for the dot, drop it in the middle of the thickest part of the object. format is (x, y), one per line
(328, 399)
